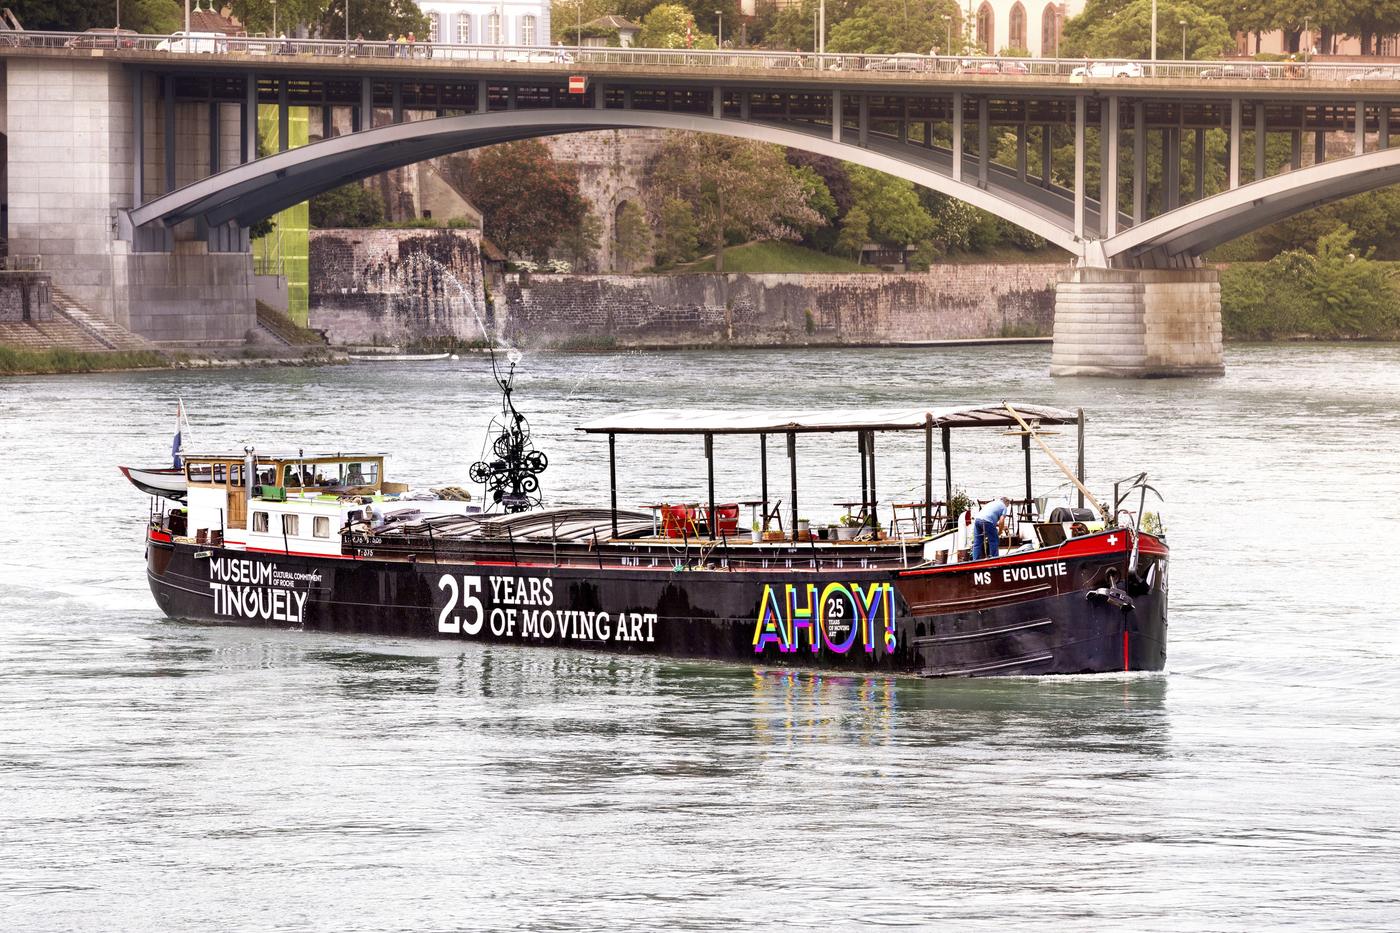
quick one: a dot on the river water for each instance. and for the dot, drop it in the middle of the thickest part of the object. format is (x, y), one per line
(159, 775)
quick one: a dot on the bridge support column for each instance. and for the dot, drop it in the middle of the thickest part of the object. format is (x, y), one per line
(1171, 169)
(1295, 146)
(1021, 152)
(1200, 164)
(248, 147)
(1359, 133)
(957, 135)
(1137, 323)
(1108, 171)
(284, 112)
(1261, 139)
(863, 120)
(364, 116)
(1139, 162)
(1079, 143)
(837, 117)
(1319, 147)
(984, 141)
(1047, 151)
(1383, 122)
(1234, 150)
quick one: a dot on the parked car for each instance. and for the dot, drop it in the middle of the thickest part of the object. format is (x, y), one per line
(194, 42)
(1236, 72)
(1375, 74)
(103, 38)
(904, 61)
(1108, 70)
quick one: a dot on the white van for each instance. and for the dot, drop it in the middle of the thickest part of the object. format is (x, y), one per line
(194, 42)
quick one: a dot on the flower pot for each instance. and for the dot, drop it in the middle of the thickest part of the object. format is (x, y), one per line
(845, 532)
(803, 525)
(757, 536)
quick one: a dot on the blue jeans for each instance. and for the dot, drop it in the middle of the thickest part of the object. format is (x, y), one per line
(985, 530)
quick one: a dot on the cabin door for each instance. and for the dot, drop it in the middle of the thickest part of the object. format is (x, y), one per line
(237, 500)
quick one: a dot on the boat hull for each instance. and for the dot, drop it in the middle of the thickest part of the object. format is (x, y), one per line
(1039, 613)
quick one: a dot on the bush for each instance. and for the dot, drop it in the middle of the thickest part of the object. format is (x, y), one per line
(1335, 292)
(351, 205)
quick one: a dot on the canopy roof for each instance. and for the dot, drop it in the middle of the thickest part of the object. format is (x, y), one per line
(783, 421)
(268, 455)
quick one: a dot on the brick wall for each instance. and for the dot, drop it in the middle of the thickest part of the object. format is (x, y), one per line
(950, 302)
(393, 286)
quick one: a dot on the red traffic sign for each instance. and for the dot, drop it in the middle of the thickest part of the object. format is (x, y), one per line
(578, 84)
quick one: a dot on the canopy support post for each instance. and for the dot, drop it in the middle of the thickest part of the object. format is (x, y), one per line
(1080, 464)
(1026, 447)
(864, 482)
(948, 473)
(874, 497)
(763, 477)
(612, 478)
(792, 463)
(928, 477)
(712, 519)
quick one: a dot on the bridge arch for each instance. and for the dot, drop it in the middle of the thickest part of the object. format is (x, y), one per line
(1201, 225)
(257, 189)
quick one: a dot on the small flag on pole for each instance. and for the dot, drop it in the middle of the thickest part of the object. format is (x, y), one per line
(177, 444)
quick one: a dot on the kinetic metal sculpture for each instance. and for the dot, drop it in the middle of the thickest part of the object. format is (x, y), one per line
(512, 477)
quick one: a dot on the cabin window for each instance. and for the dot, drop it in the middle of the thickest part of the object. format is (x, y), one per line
(220, 473)
(197, 472)
(289, 525)
(321, 526)
(235, 474)
(360, 474)
(260, 522)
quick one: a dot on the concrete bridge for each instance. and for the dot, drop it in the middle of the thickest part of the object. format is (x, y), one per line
(136, 172)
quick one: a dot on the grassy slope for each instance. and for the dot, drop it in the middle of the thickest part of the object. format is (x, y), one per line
(766, 256)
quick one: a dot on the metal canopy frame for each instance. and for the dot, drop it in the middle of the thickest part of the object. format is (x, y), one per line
(946, 421)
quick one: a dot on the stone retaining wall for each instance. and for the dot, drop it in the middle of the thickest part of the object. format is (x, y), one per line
(395, 286)
(24, 297)
(949, 302)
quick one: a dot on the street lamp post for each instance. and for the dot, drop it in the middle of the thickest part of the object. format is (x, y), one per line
(347, 23)
(719, 43)
(948, 47)
(274, 16)
(1182, 24)
(1154, 30)
(821, 29)
(187, 25)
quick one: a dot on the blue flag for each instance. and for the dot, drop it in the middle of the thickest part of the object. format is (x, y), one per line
(176, 444)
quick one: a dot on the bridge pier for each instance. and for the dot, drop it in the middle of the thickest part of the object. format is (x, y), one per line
(86, 142)
(1137, 322)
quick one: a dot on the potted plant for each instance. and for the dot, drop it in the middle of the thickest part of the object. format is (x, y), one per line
(961, 503)
(803, 526)
(757, 532)
(846, 531)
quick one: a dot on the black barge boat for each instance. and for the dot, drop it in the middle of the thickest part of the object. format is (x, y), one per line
(323, 541)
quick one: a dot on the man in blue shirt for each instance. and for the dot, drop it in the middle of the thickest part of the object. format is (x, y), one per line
(984, 528)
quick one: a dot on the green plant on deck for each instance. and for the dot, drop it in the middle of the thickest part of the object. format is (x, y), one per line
(961, 503)
(1152, 524)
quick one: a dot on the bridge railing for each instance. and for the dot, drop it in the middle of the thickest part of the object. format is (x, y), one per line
(562, 57)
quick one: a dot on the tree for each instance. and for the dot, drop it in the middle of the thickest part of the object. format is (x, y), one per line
(892, 204)
(672, 26)
(736, 188)
(351, 205)
(580, 242)
(1118, 29)
(855, 233)
(633, 237)
(374, 19)
(527, 199)
(890, 26)
(680, 235)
